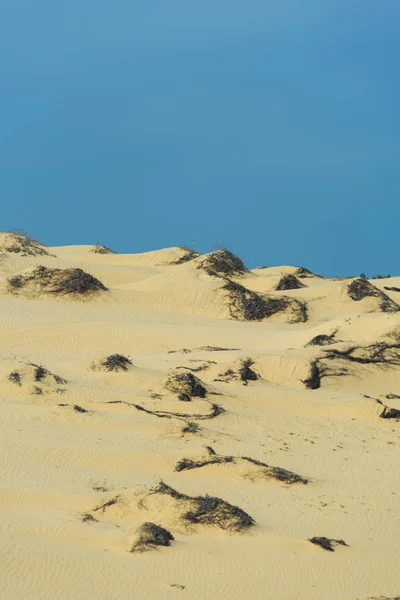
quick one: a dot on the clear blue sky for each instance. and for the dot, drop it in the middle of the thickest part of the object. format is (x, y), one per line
(269, 126)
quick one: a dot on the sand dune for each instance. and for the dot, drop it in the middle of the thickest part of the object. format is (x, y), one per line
(185, 427)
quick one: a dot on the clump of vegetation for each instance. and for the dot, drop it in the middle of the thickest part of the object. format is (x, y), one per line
(390, 413)
(189, 254)
(216, 410)
(381, 276)
(88, 518)
(245, 371)
(185, 383)
(246, 305)
(361, 288)
(383, 353)
(322, 340)
(59, 281)
(15, 377)
(208, 510)
(101, 250)
(79, 409)
(116, 362)
(289, 282)
(391, 289)
(327, 543)
(304, 273)
(223, 262)
(313, 381)
(190, 427)
(278, 473)
(18, 242)
(149, 536)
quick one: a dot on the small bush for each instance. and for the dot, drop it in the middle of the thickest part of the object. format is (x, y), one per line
(247, 305)
(245, 372)
(362, 288)
(186, 383)
(327, 543)
(208, 510)
(101, 250)
(59, 281)
(322, 340)
(116, 362)
(149, 536)
(15, 377)
(223, 262)
(313, 381)
(289, 282)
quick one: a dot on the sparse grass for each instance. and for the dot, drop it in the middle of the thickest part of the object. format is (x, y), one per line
(149, 536)
(88, 518)
(208, 510)
(327, 543)
(304, 273)
(190, 254)
(289, 282)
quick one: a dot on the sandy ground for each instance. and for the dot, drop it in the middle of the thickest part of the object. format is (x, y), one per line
(59, 463)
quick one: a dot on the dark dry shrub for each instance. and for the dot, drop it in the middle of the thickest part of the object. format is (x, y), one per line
(150, 536)
(246, 305)
(361, 288)
(184, 397)
(392, 289)
(245, 372)
(24, 245)
(79, 409)
(59, 281)
(223, 262)
(289, 282)
(390, 413)
(383, 353)
(15, 377)
(208, 510)
(313, 381)
(40, 373)
(278, 473)
(101, 250)
(185, 383)
(190, 427)
(304, 273)
(16, 282)
(327, 543)
(322, 340)
(116, 362)
(189, 255)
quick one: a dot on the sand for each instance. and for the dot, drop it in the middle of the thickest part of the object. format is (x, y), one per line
(81, 459)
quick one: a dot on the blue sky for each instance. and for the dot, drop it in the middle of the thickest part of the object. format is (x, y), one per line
(268, 126)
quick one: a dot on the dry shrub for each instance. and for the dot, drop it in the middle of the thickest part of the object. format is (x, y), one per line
(246, 305)
(101, 250)
(361, 288)
(327, 543)
(149, 536)
(116, 362)
(289, 282)
(223, 262)
(187, 384)
(17, 242)
(59, 281)
(207, 510)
